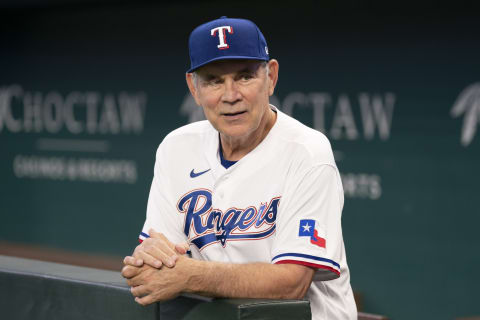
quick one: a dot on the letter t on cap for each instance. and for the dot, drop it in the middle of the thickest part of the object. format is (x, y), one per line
(221, 35)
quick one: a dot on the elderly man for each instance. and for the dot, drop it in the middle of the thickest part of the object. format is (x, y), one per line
(252, 194)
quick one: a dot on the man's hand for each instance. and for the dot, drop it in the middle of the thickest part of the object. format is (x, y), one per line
(150, 285)
(156, 251)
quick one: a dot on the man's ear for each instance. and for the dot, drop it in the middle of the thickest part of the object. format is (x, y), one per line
(191, 87)
(272, 75)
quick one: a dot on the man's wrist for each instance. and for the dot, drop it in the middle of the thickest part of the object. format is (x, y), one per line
(198, 276)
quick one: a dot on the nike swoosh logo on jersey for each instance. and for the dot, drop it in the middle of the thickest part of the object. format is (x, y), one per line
(194, 174)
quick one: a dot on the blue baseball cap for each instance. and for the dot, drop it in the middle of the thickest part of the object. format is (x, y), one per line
(226, 38)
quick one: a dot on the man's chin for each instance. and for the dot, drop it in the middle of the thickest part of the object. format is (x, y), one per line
(235, 131)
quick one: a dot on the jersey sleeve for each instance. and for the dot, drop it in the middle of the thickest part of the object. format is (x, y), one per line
(162, 215)
(309, 222)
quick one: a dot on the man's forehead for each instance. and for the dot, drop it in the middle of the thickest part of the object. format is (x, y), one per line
(229, 66)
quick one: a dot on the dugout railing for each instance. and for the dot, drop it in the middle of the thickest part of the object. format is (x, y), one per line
(37, 290)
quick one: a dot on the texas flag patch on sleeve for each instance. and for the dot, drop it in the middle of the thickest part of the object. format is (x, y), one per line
(308, 228)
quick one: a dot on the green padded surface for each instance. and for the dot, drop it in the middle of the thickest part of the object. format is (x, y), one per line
(37, 290)
(251, 309)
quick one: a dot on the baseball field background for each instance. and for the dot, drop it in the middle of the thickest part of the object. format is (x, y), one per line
(89, 89)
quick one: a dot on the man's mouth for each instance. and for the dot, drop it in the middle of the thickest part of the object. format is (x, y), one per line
(232, 114)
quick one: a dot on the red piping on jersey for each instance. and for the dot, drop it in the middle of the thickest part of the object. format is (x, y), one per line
(309, 264)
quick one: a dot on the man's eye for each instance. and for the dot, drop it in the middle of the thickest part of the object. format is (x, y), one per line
(247, 76)
(213, 82)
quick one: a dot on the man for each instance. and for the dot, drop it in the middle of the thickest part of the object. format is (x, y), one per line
(252, 193)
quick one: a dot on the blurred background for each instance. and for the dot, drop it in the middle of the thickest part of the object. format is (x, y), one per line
(88, 89)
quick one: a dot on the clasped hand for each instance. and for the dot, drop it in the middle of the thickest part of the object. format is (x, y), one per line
(157, 270)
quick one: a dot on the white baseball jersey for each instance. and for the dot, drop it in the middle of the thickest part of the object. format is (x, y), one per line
(281, 203)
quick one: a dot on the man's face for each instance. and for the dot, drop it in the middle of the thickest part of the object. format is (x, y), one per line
(234, 95)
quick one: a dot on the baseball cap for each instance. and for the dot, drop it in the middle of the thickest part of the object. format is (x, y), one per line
(226, 38)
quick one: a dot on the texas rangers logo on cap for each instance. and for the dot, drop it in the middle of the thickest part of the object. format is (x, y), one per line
(226, 38)
(221, 35)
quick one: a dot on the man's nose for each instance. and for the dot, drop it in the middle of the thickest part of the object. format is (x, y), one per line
(231, 93)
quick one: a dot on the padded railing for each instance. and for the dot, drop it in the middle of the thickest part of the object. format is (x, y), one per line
(37, 290)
